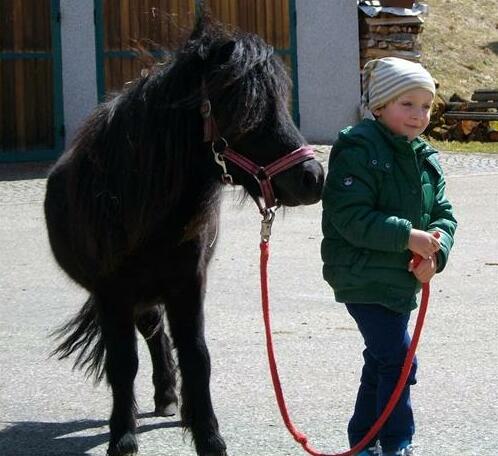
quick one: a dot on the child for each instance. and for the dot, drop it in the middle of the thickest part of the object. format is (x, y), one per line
(384, 196)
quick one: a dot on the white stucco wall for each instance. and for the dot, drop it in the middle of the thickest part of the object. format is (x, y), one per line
(328, 67)
(78, 63)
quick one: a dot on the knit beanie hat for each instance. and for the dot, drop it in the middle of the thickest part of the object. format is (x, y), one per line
(387, 78)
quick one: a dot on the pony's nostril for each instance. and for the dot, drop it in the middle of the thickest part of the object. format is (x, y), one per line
(311, 180)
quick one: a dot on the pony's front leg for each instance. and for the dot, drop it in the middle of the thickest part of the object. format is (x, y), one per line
(186, 319)
(121, 364)
(150, 323)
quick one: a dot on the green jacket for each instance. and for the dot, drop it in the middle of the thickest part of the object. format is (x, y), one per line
(379, 186)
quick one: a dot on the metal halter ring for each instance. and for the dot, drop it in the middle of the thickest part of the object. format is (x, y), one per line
(219, 141)
(220, 160)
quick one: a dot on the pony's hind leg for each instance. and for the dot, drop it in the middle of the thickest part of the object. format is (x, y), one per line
(186, 320)
(121, 365)
(150, 323)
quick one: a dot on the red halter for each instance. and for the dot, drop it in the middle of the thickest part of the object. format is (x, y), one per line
(262, 174)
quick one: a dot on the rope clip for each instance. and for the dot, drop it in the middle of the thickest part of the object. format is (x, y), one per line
(220, 160)
(266, 223)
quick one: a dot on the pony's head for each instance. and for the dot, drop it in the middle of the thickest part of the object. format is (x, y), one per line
(147, 149)
(244, 92)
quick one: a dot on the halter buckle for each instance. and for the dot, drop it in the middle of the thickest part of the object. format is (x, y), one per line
(205, 109)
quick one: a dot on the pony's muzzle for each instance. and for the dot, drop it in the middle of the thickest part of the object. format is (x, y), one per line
(301, 184)
(313, 177)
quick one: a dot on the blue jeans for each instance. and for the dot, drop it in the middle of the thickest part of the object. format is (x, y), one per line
(387, 341)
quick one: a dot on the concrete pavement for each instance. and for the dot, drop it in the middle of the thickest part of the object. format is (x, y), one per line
(48, 410)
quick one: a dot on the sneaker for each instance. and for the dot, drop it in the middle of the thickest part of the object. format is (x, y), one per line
(372, 451)
(405, 449)
(408, 450)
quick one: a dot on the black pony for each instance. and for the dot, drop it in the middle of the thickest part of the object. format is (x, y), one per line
(132, 212)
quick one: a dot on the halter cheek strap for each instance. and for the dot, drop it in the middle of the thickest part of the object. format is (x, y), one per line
(262, 174)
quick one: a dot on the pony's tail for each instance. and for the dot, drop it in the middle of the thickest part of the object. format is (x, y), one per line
(83, 335)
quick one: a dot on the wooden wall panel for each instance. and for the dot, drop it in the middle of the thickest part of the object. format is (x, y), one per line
(141, 25)
(267, 18)
(25, 25)
(26, 84)
(26, 108)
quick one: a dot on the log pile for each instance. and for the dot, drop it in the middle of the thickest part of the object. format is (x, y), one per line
(388, 35)
(459, 119)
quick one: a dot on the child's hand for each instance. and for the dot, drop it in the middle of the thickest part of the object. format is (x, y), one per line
(425, 270)
(423, 243)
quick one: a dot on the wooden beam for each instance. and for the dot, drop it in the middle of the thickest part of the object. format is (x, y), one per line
(481, 95)
(464, 115)
(398, 20)
(471, 105)
(485, 90)
(375, 53)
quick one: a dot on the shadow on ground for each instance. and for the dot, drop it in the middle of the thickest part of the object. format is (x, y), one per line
(24, 438)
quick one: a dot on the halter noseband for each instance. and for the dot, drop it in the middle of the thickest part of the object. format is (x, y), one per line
(262, 174)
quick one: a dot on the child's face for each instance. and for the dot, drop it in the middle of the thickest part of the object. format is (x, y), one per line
(409, 114)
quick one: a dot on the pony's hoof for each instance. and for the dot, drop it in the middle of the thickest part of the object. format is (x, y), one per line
(215, 447)
(166, 410)
(127, 446)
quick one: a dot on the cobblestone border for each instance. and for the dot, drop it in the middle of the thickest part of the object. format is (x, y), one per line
(30, 186)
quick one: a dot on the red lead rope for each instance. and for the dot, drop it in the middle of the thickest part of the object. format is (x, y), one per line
(298, 436)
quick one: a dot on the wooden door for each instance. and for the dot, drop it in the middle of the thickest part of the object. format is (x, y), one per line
(30, 84)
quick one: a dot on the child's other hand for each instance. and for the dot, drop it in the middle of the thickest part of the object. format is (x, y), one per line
(423, 243)
(425, 270)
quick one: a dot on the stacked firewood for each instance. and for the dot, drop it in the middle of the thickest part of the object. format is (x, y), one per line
(459, 119)
(388, 35)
